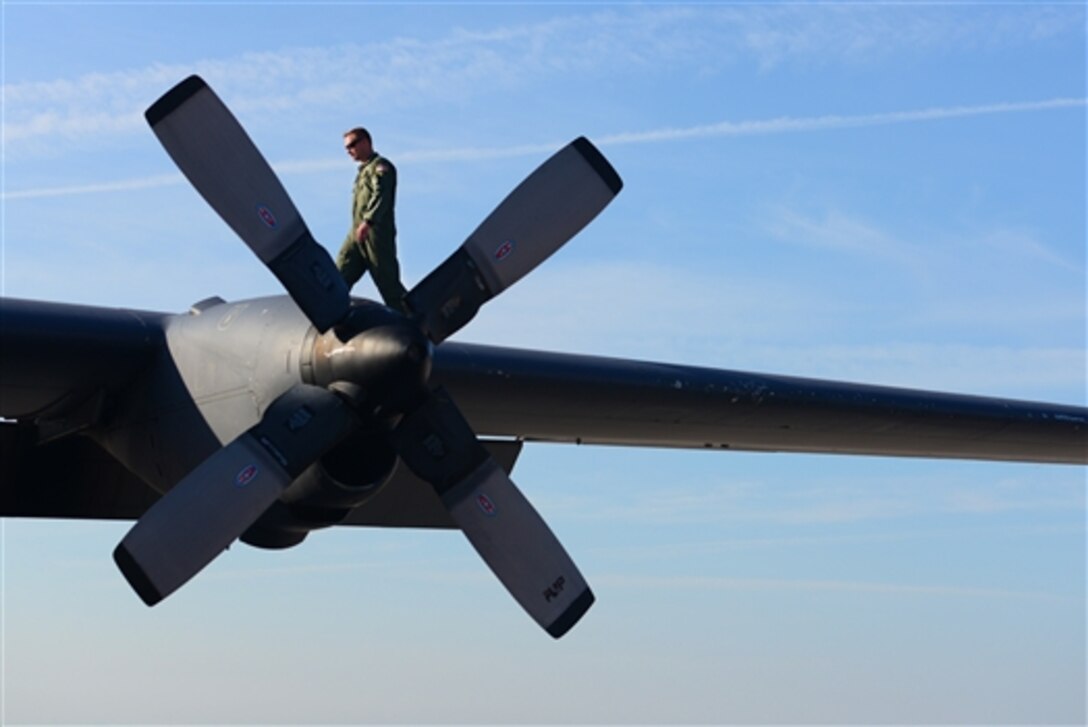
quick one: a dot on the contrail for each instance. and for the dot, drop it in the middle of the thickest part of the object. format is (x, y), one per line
(124, 185)
(787, 124)
(780, 125)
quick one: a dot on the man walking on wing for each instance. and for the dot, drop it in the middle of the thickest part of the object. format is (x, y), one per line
(371, 243)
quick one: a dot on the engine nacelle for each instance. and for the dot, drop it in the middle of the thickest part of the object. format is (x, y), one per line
(323, 495)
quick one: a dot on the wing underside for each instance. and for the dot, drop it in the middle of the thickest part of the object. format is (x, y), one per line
(70, 477)
(74, 478)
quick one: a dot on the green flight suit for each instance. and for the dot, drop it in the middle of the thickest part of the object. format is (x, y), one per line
(373, 199)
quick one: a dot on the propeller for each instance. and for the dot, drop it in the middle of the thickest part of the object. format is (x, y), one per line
(548, 208)
(225, 494)
(219, 159)
(438, 445)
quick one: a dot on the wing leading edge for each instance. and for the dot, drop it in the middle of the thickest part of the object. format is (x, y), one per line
(592, 400)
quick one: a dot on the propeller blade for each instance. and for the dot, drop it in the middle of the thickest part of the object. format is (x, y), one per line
(216, 502)
(217, 156)
(550, 207)
(438, 445)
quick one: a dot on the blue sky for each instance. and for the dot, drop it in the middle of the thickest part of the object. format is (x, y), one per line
(889, 193)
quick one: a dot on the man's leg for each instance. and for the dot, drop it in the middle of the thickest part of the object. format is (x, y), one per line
(351, 263)
(386, 271)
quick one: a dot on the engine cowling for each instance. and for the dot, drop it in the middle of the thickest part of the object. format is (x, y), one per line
(323, 495)
(379, 362)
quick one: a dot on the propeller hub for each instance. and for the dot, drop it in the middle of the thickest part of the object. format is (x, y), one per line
(383, 356)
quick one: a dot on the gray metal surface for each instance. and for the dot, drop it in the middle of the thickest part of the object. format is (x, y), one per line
(519, 548)
(226, 493)
(236, 358)
(68, 478)
(222, 163)
(216, 155)
(55, 358)
(539, 216)
(200, 517)
(596, 400)
(73, 478)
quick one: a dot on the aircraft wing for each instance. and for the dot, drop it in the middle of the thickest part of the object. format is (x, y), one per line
(63, 369)
(60, 363)
(555, 397)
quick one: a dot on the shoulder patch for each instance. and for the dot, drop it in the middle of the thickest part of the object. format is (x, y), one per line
(381, 169)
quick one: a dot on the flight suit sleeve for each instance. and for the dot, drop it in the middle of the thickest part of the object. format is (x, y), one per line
(358, 199)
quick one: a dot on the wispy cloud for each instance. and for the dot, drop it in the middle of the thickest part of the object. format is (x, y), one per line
(1019, 244)
(407, 72)
(786, 124)
(703, 583)
(1026, 371)
(838, 232)
(759, 323)
(870, 240)
(805, 540)
(122, 185)
(776, 35)
(821, 503)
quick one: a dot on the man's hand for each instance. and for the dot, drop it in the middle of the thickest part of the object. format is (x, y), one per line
(360, 231)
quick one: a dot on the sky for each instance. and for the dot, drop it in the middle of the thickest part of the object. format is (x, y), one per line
(890, 193)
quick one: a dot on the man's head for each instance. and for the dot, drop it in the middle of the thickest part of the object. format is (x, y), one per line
(357, 143)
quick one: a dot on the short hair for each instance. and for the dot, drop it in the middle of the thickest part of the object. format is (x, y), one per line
(359, 133)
